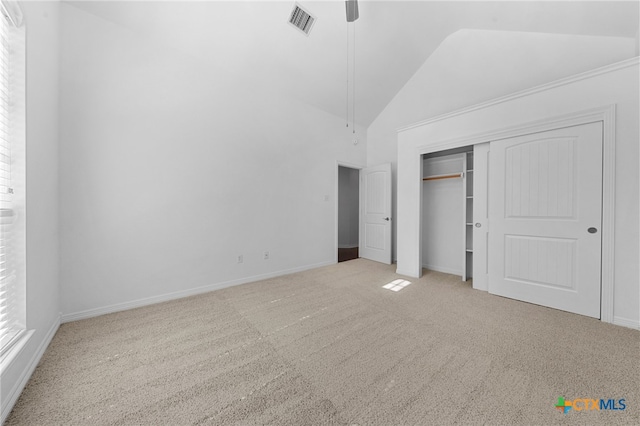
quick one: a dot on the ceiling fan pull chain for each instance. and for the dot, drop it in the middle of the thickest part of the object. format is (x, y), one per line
(347, 97)
(353, 116)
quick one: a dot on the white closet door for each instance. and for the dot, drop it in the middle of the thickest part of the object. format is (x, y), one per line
(545, 209)
(480, 215)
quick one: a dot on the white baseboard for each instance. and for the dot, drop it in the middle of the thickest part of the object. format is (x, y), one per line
(406, 273)
(444, 270)
(626, 322)
(90, 313)
(9, 401)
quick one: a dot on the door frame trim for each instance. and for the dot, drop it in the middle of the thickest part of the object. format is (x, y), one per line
(605, 114)
(339, 164)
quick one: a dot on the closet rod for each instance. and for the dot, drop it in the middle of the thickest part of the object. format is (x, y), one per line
(436, 177)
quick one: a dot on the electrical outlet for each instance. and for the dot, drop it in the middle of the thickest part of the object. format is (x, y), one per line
(266, 255)
(240, 258)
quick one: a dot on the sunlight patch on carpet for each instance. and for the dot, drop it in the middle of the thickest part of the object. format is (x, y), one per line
(396, 285)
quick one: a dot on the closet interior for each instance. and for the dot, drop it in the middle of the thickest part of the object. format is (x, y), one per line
(447, 211)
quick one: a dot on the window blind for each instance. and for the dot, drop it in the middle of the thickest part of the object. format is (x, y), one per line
(9, 312)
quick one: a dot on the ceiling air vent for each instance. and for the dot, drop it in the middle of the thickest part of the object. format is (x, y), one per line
(301, 19)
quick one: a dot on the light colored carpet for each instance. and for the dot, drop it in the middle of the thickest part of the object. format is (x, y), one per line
(331, 346)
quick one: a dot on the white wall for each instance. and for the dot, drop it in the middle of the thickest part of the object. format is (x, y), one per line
(43, 307)
(171, 169)
(617, 86)
(348, 202)
(473, 66)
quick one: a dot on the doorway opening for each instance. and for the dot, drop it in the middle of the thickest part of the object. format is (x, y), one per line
(348, 213)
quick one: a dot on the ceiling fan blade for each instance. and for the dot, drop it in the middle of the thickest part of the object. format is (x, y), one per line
(352, 10)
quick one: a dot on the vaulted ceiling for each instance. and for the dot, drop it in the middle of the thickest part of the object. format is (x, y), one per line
(254, 41)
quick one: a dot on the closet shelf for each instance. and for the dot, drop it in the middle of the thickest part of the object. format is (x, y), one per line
(449, 176)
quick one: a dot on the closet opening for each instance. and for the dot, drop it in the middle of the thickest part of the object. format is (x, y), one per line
(447, 211)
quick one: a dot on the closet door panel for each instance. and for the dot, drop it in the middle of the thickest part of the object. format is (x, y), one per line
(480, 215)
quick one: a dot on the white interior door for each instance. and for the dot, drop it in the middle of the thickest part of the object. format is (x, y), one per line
(480, 220)
(545, 210)
(375, 213)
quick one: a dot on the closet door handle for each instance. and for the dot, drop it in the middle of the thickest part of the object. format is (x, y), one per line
(387, 219)
(592, 230)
